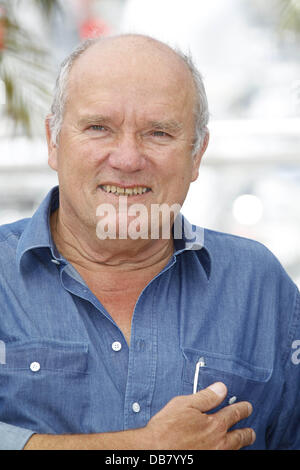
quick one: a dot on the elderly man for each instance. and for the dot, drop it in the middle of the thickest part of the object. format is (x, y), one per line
(142, 341)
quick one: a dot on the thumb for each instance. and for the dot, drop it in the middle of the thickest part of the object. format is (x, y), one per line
(210, 397)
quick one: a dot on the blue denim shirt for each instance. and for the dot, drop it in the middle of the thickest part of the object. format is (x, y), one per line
(68, 368)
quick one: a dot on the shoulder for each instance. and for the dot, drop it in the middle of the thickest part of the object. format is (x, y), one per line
(248, 268)
(229, 246)
(244, 258)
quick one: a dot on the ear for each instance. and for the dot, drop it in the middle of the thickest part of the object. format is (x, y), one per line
(198, 157)
(52, 147)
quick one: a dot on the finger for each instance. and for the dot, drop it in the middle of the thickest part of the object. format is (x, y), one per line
(209, 397)
(239, 438)
(232, 414)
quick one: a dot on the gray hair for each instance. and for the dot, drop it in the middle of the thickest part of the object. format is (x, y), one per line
(60, 94)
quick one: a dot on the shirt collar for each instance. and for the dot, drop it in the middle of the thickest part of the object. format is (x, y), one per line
(37, 234)
(189, 237)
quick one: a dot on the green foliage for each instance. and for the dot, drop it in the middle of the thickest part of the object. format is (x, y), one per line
(24, 67)
(289, 17)
(280, 16)
(47, 6)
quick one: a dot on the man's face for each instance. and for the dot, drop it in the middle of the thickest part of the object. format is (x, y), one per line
(128, 130)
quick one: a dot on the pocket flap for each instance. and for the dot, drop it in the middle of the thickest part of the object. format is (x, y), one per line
(48, 354)
(223, 363)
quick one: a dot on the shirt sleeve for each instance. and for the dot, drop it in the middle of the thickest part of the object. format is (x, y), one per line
(13, 437)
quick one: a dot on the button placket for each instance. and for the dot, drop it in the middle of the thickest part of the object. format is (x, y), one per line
(142, 361)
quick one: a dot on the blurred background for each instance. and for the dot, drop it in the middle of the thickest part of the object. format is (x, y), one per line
(248, 52)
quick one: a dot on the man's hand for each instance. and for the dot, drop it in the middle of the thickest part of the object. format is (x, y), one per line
(183, 424)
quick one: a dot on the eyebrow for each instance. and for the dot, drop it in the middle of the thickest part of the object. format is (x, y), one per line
(92, 119)
(168, 125)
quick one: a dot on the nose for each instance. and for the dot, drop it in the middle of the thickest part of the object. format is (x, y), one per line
(127, 156)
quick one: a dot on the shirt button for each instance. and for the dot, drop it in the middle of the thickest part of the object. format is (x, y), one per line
(116, 346)
(232, 400)
(35, 366)
(136, 407)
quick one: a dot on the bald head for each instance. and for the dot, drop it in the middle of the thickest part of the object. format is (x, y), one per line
(130, 43)
(138, 59)
(136, 53)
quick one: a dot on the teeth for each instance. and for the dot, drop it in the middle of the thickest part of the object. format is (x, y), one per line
(127, 191)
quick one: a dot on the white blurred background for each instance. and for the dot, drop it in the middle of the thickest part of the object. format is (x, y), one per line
(248, 54)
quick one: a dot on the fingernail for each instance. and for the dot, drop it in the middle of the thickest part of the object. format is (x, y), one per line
(250, 409)
(219, 388)
(253, 437)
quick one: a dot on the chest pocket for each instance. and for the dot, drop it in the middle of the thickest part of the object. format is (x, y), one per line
(44, 386)
(244, 381)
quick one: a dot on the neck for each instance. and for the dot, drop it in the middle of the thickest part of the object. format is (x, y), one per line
(91, 254)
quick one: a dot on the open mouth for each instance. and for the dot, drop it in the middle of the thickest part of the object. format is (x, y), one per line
(121, 191)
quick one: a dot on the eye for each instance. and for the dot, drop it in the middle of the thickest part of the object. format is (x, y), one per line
(160, 134)
(97, 127)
